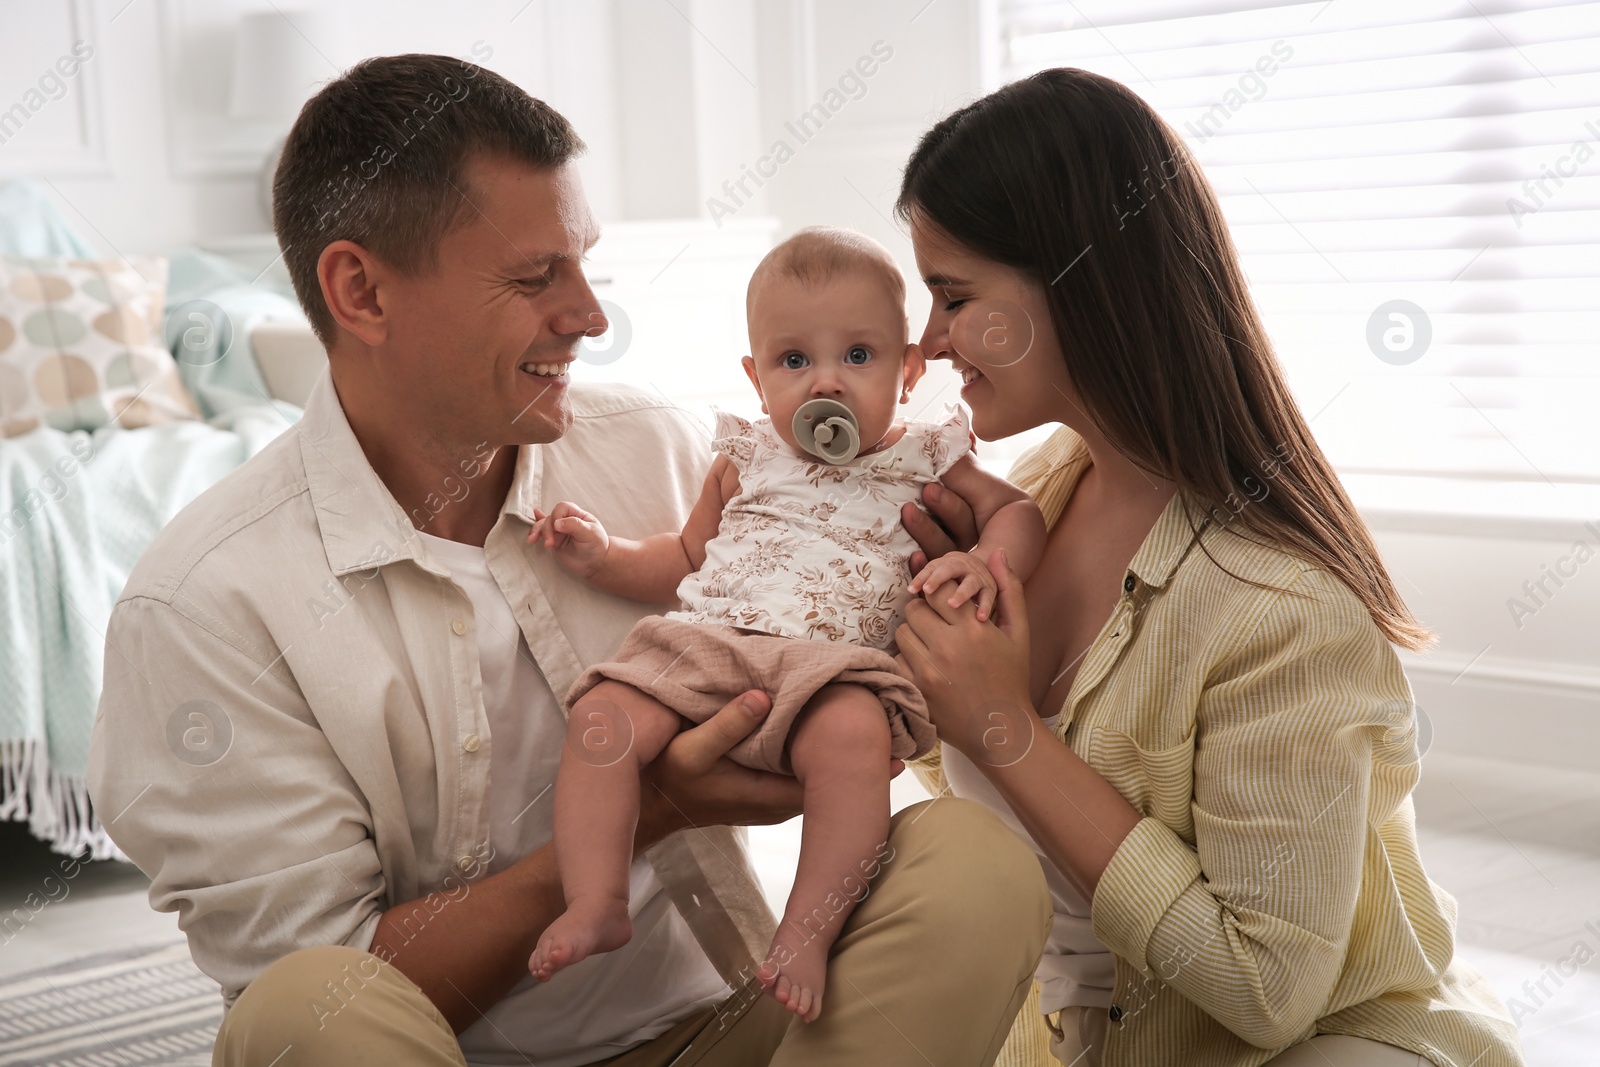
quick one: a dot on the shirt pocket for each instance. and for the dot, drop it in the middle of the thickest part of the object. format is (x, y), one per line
(1159, 782)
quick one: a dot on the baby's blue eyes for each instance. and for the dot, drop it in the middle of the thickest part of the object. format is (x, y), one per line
(858, 355)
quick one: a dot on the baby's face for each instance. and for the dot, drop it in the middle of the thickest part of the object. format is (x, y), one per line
(843, 339)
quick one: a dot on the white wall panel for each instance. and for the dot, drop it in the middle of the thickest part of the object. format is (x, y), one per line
(51, 90)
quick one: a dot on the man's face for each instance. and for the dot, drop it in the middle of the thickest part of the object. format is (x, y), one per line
(482, 342)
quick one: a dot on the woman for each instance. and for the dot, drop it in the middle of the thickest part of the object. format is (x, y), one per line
(1227, 826)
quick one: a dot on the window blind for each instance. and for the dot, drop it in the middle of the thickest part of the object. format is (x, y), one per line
(1414, 189)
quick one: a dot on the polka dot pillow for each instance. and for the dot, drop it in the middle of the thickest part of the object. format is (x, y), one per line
(81, 346)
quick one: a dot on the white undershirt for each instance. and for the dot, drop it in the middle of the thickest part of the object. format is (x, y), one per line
(610, 1002)
(1076, 969)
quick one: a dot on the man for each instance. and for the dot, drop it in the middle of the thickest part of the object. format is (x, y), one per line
(331, 718)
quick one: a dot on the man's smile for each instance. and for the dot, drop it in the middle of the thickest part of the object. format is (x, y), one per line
(555, 369)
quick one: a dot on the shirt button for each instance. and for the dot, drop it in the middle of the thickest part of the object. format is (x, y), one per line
(1127, 586)
(470, 742)
(1115, 1013)
(459, 627)
(466, 863)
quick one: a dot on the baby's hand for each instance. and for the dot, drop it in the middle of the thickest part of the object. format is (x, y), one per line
(968, 571)
(574, 535)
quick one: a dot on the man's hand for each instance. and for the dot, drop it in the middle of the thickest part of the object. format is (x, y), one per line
(693, 783)
(575, 536)
(947, 526)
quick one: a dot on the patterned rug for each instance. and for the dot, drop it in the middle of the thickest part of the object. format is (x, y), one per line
(144, 1007)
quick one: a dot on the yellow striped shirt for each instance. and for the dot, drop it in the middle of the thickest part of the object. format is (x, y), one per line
(1274, 889)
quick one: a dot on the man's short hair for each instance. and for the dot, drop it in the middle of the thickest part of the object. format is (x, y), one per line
(819, 254)
(378, 157)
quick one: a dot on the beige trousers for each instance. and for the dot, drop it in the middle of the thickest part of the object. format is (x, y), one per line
(930, 968)
(1079, 1034)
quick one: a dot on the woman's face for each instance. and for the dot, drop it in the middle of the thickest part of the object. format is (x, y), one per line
(992, 323)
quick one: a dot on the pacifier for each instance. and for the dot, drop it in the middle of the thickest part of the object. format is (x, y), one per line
(828, 430)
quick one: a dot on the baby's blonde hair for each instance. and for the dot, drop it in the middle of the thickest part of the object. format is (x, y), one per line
(818, 254)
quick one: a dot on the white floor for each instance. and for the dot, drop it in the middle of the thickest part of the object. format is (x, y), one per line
(1518, 846)
(1519, 849)
(46, 917)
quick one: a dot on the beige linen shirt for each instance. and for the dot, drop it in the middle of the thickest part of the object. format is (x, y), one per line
(291, 738)
(1274, 889)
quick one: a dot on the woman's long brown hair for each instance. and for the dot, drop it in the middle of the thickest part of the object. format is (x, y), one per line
(1072, 179)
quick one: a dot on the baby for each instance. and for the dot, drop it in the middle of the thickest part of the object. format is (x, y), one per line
(792, 572)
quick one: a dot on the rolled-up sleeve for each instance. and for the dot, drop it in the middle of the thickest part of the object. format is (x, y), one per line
(210, 772)
(1251, 923)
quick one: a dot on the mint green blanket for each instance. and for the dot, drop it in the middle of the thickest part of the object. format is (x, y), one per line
(76, 511)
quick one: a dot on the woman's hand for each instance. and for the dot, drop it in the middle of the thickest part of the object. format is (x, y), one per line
(947, 525)
(974, 675)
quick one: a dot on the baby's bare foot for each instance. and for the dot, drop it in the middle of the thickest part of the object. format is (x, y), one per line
(794, 975)
(589, 925)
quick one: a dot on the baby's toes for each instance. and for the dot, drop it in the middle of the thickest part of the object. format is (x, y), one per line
(551, 958)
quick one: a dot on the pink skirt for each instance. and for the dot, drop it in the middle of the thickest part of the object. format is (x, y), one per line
(695, 669)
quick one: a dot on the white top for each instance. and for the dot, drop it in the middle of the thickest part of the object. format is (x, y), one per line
(608, 1002)
(1076, 969)
(812, 549)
